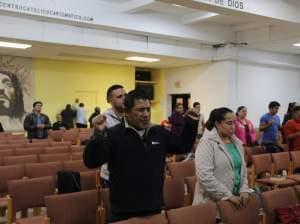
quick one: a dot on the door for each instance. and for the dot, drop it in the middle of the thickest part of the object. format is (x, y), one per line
(181, 98)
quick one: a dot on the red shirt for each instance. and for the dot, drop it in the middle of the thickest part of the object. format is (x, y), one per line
(291, 127)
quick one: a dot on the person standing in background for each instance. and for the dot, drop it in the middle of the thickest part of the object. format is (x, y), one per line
(36, 123)
(244, 129)
(201, 125)
(270, 126)
(68, 115)
(96, 112)
(177, 119)
(115, 96)
(81, 121)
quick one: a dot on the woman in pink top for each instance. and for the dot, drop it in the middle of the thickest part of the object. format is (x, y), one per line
(244, 129)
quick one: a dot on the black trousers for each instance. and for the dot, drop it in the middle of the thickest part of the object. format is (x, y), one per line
(78, 125)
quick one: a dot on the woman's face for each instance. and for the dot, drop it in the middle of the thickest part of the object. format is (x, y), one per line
(226, 127)
(242, 113)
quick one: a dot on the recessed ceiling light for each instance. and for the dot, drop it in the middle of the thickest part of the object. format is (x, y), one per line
(14, 45)
(142, 59)
(296, 45)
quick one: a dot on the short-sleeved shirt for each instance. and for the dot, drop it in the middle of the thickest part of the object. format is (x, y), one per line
(291, 127)
(270, 135)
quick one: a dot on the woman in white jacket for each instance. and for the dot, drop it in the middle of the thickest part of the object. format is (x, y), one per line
(220, 166)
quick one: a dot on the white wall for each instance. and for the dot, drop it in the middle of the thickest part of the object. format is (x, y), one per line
(233, 82)
(206, 84)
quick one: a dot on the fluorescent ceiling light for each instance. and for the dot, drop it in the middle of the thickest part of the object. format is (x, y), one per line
(296, 45)
(142, 59)
(14, 45)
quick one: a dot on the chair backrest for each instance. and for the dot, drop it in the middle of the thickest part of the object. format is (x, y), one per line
(246, 215)
(77, 148)
(154, 219)
(28, 151)
(76, 165)
(295, 155)
(57, 149)
(254, 150)
(54, 157)
(71, 135)
(7, 152)
(37, 144)
(262, 163)
(78, 207)
(20, 160)
(190, 185)
(28, 193)
(68, 143)
(198, 214)
(88, 180)
(173, 193)
(7, 173)
(278, 198)
(281, 161)
(77, 156)
(33, 170)
(56, 135)
(182, 169)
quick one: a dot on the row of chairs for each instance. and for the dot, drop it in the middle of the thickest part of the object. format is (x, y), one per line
(267, 169)
(30, 193)
(251, 214)
(75, 135)
(34, 170)
(41, 150)
(27, 144)
(41, 158)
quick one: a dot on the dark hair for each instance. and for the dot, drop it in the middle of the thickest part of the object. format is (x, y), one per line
(134, 95)
(295, 108)
(196, 104)
(68, 106)
(290, 107)
(274, 104)
(37, 102)
(81, 105)
(111, 89)
(16, 109)
(239, 109)
(216, 116)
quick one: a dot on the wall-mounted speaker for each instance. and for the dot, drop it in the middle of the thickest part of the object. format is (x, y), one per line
(143, 75)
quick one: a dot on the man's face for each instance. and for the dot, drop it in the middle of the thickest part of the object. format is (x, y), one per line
(7, 92)
(117, 99)
(197, 108)
(38, 107)
(274, 110)
(179, 109)
(140, 114)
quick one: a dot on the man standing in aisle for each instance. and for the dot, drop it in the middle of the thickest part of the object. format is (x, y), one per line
(115, 96)
(135, 152)
(36, 123)
(270, 126)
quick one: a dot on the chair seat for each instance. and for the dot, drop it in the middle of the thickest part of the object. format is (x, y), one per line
(279, 183)
(31, 220)
(3, 202)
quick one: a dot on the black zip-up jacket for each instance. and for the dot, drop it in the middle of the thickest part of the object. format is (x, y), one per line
(136, 165)
(30, 125)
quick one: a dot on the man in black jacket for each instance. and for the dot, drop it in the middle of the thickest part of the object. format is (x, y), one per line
(36, 124)
(135, 152)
